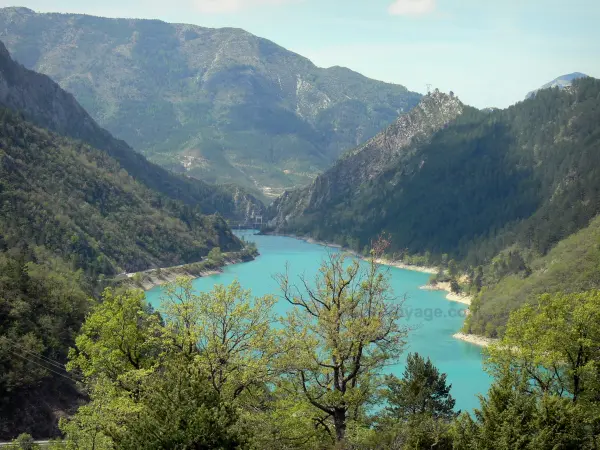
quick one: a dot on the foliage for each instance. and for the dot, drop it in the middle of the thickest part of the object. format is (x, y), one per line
(546, 368)
(422, 390)
(343, 330)
(42, 304)
(180, 410)
(510, 417)
(229, 330)
(78, 202)
(182, 377)
(24, 442)
(215, 257)
(554, 345)
(571, 266)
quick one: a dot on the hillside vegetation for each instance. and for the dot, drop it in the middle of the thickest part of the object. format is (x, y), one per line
(44, 103)
(218, 104)
(72, 217)
(520, 179)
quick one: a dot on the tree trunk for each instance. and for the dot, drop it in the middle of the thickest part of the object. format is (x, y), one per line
(339, 420)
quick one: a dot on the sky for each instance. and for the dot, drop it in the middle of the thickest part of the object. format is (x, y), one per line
(489, 52)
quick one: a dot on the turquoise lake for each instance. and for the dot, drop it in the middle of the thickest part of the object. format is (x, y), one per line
(433, 318)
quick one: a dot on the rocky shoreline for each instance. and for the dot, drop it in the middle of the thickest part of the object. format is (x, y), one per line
(152, 278)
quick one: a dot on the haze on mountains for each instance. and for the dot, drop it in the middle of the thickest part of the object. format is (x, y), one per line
(218, 104)
(497, 189)
(44, 103)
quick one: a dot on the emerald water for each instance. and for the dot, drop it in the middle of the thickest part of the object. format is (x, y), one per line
(433, 318)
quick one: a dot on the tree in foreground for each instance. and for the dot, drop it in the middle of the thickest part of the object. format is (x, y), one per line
(511, 417)
(555, 344)
(546, 368)
(178, 378)
(344, 329)
(421, 390)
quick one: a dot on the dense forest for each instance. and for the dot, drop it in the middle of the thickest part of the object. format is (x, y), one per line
(516, 181)
(77, 208)
(79, 203)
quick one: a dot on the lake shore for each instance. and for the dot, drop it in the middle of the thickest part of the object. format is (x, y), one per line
(474, 339)
(152, 278)
(452, 296)
(382, 261)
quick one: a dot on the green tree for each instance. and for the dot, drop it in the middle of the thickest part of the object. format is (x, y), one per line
(215, 257)
(24, 442)
(422, 390)
(511, 417)
(230, 332)
(119, 338)
(453, 268)
(177, 378)
(343, 329)
(555, 344)
(179, 409)
(454, 286)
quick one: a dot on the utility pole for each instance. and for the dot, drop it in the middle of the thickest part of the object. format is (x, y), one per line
(428, 88)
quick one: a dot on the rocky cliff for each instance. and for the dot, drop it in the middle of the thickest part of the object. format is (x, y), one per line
(362, 164)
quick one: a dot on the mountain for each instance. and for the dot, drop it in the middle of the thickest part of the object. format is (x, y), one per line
(560, 82)
(326, 201)
(217, 104)
(498, 189)
(80, 203)
(45, 104)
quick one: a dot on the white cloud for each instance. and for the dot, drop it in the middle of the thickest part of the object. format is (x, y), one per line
(233, 6)
(412, 7)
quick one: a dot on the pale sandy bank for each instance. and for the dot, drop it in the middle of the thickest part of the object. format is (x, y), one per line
(401, 265)
(460, 298)
(157, 277)
(474, 339)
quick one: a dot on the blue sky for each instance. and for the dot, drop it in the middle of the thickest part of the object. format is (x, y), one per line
(489, 52)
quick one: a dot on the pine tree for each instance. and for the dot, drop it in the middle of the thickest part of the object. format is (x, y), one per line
(422, 390)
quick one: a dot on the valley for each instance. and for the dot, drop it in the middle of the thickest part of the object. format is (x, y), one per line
(209, 241)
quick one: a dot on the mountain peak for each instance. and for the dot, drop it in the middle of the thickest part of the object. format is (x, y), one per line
(561, 82)
(358, 167)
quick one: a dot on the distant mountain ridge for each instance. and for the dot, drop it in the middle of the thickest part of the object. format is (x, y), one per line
(219, 104)
(560, 82)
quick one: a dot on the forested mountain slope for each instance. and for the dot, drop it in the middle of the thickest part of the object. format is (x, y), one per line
(486, 179)
(44, 103)
(571, 266)
(80, 203)
(70, 215)
(308, 209)
(219, 104)
(497, 189)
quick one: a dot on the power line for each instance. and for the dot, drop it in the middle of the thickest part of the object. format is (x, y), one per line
(43, 358)
(43, 367)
